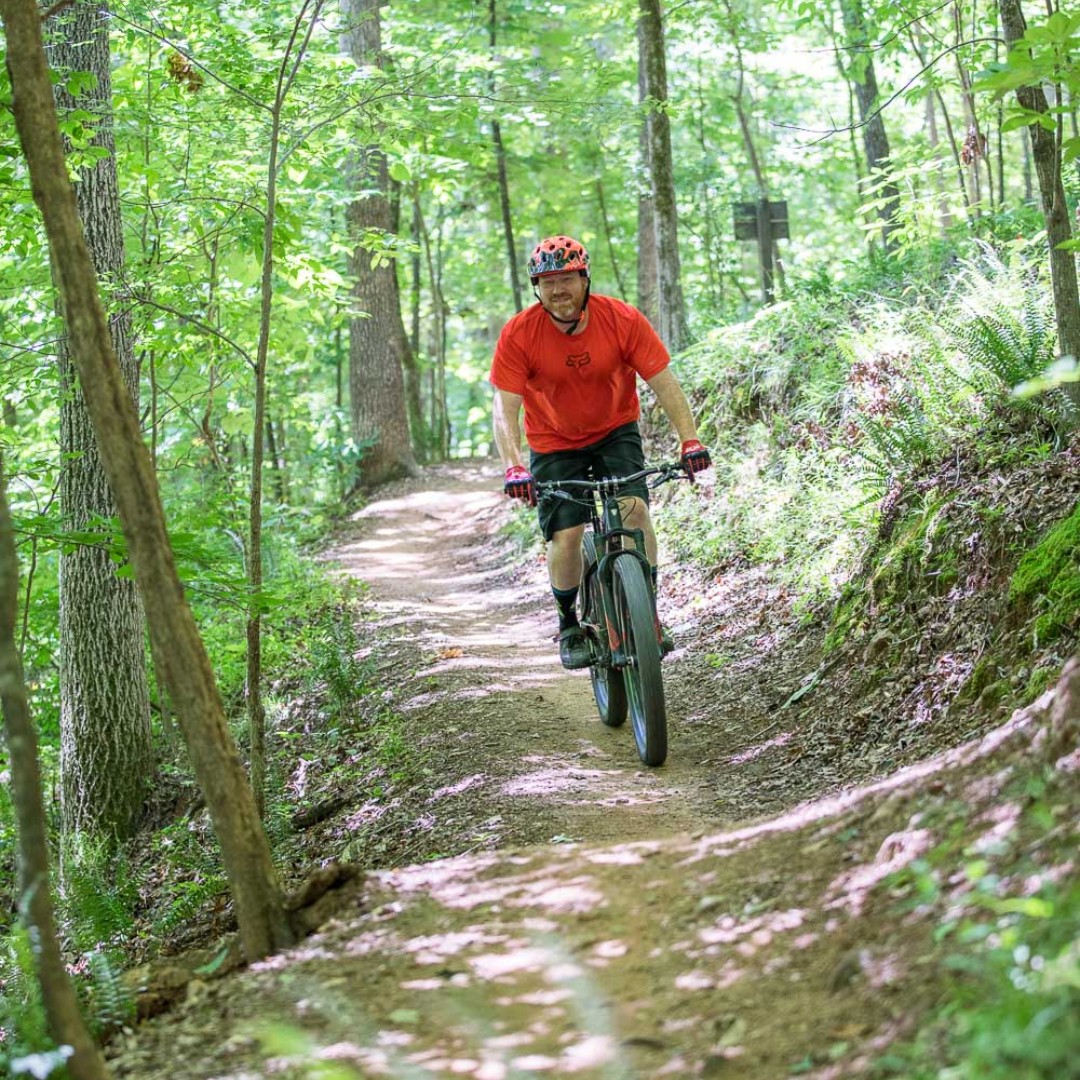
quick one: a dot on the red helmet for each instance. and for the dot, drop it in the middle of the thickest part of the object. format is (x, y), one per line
(557, 255)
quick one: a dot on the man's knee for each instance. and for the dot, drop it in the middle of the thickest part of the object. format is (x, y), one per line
(567, 540)
(635, 512)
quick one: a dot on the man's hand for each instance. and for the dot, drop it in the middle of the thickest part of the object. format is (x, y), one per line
(519, 485)
(694, 457)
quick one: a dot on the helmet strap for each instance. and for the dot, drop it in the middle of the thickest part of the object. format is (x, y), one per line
(571, 324)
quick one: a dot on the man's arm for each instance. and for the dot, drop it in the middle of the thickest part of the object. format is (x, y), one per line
(673, 401)
(506, 417)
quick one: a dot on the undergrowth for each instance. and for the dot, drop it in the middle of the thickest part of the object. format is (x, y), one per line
(824, 407)
(1008, 934)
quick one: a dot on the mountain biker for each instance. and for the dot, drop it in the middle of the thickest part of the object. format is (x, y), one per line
(572, 361)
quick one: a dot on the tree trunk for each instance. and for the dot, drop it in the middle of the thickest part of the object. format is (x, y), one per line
(648, 270)
(672, 308)
(767, 256)
(439, 424)
(106, 751)
(256, 892)
(875, 140)
(34, 896)
(1047, 157)
(500, 165)
(376, 333)
(606, 222)
(415, 271)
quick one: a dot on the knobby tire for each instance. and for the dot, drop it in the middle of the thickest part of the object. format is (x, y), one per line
(607, 682)
(642, 679)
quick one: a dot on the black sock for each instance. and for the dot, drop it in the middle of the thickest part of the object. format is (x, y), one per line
(654, 573)
(565, 599)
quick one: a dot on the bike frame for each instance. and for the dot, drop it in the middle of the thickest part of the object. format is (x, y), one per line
(609, 534)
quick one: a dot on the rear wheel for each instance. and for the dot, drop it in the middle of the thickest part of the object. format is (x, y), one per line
(641, 677)
(607, 682)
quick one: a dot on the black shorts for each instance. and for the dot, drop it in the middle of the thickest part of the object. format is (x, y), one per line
(618, 453)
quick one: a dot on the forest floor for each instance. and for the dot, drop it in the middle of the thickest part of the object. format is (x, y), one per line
(753, 909)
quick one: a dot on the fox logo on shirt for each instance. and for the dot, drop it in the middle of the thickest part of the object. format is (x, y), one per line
(578, 360)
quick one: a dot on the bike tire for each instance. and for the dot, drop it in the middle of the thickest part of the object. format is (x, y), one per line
(642, 678)
(607, 682)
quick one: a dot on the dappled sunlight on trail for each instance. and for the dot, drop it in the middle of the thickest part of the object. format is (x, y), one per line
(727, 954)
(596, 921)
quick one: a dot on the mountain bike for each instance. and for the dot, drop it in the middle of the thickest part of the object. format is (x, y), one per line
(617, 608)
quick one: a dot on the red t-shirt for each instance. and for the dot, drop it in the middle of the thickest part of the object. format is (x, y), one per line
(577, 387)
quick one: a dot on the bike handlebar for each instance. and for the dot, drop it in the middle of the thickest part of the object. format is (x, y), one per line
(672, 470)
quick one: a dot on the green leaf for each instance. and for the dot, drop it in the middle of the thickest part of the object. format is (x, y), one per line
(399, 171)
(213, 965)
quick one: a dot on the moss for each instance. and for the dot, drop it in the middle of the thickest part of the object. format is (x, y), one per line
(1048, 579)
(848, 616)
(982, 675)
(1040, 680)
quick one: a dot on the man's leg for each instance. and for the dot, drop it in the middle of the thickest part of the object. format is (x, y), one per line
(564, 569)
(564, 557)
(635, 514)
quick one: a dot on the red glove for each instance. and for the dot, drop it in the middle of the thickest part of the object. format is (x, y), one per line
(695, 457)
(519, 485)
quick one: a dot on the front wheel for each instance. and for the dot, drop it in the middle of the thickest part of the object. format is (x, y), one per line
(641, 676)
(607, 682)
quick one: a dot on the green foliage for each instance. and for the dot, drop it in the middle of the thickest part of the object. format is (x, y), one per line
(1045, 55)
(334, 667)
(190, 876)
(111, 1005)
(1012, 950)
(521, 530)
(1047, 579)
(22, 1014)
(825, 403)
(96, 904)
(1002, 325)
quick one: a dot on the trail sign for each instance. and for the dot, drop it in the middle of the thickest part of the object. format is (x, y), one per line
(765, 221)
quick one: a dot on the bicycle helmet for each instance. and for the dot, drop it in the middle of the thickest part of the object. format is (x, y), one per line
(557, 255)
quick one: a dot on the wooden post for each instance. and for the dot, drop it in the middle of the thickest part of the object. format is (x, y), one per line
(765, 221)
(765, 249)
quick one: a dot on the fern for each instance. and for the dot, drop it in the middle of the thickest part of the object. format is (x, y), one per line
(22, 1014)
(111, 1004)
(1003, 326)
(333, 648)
(187, 900)
(99, 895)
(900, 442)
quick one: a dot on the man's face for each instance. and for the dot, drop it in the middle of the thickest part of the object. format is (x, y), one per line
(563, 293)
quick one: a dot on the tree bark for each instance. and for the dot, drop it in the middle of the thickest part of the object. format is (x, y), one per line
(376, 332)
(439, 422)
(672, 307)
(415, 279)
(500, 166)
(34, 897)
(606, 222)
(648, 269)
(256, 892)
(413, 376)
(106, 748)
(1046, 153)
(875, 139)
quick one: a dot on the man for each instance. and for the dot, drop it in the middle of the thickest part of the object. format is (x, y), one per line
(572, 361)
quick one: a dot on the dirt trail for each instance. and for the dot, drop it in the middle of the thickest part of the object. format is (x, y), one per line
(687, 936)
(487, 674)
